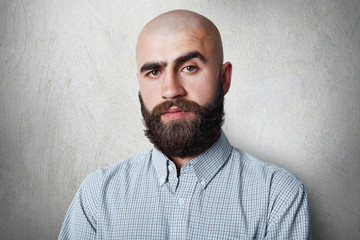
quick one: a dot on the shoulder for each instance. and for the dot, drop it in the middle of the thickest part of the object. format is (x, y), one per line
(81, 219)
(99, 182)
(284, 195)
(276, 179)
(123, 169)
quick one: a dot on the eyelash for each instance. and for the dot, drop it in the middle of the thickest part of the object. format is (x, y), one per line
(150, 73)
(190, 66)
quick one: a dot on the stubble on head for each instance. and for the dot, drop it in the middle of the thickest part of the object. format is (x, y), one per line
(176, 21)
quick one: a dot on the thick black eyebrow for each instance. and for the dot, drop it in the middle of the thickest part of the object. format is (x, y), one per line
(179, 60)
(190, 55)
(152, 66)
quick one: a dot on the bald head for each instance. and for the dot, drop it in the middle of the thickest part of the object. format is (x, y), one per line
(177, 21)
(179, 56)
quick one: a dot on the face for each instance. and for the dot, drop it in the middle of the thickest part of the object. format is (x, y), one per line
(182, 84)
(180, 65)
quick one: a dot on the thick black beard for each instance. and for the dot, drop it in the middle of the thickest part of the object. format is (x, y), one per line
(185, 138)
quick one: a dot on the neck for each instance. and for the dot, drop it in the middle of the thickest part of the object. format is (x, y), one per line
(179, 162)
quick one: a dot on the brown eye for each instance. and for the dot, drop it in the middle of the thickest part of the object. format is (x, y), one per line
(190, 69)
(154, 73)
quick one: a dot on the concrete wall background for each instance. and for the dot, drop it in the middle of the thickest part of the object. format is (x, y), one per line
(68, 100)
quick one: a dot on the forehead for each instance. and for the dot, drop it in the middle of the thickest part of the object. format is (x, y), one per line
(162, 47)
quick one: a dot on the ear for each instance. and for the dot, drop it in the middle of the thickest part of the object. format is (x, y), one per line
(226, 70)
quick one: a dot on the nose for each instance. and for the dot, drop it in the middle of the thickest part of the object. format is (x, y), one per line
(172, 87)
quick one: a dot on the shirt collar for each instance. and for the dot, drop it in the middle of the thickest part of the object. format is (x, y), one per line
(206, 165)
(160, 163)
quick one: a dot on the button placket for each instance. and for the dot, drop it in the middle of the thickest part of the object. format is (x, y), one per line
(181, 204)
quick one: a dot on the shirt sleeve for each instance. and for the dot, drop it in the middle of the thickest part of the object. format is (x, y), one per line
(80, 220)
(289, 212)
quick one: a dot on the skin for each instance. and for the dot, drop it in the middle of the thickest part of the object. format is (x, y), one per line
(179, 55)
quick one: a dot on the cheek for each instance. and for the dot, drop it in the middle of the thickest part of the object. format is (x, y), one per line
(205, 86)
(149, 98)
(203, 93)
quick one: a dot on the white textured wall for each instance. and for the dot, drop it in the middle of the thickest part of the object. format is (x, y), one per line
(68, 99)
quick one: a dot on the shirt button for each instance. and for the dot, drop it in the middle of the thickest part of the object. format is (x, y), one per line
(203, 183)
(171, 168)
(181, 201)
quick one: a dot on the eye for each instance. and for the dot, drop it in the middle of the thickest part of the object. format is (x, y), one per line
(190, 69)
(153, 73)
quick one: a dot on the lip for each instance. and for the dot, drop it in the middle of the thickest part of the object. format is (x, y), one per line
(174, 109)
(174, 113)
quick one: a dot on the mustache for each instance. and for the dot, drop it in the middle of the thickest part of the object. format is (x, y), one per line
(183, 104)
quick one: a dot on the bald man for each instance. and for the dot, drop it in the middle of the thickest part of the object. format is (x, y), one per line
(193, 184)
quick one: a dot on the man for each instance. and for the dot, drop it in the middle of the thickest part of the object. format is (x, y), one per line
(193, 184)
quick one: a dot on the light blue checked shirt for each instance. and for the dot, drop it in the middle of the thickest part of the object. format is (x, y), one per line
(224, 193)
